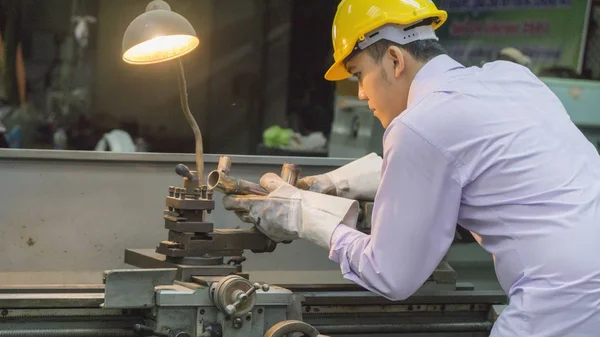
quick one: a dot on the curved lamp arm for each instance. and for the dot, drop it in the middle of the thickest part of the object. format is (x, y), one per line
(188, 115)
(160, 35)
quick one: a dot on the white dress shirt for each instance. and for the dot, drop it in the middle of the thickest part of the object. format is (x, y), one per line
(494, 150)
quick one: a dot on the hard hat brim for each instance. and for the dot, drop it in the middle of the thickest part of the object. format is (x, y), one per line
(337, 72)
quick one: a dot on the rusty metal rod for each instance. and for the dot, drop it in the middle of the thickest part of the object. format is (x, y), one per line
(221, 181)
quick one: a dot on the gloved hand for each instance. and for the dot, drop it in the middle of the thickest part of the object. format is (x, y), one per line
(356, 180)
(289, 213)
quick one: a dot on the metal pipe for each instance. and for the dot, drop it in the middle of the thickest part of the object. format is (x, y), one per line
(188, 115)
(68, 333)
(224, 164)
(221, 181)
(225, 184)
(404, 328)
(289, 173)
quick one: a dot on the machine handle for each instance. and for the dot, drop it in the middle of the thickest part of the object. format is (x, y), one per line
(283, 328)
(144, 330)
(184, 171)
(243, 297)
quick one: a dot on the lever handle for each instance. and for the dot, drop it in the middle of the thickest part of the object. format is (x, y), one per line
(242, 298)
(144, 330)
(179, 334)
(184, 171)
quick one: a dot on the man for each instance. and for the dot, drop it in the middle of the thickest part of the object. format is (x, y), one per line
(489, 148)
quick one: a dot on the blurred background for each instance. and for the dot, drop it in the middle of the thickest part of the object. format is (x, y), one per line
(256, 82)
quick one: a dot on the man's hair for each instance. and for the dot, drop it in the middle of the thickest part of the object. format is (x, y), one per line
(420, 50)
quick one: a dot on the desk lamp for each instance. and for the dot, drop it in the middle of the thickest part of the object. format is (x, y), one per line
(161, 35)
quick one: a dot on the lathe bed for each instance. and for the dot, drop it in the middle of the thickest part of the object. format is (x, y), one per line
(334, 310)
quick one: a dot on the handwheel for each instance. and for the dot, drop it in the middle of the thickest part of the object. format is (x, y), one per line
(283, 328)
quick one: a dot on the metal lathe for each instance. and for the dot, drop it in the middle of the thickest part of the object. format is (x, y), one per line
(193, 282)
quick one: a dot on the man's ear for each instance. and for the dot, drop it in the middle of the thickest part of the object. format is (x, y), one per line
(397, 57)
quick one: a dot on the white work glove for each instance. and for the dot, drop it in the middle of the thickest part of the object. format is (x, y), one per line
(289, 213)
(358, 180)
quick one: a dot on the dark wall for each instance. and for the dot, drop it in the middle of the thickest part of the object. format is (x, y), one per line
(310, 98)
(236, 78)
(260, 63)
(249, 61)
(148, 95)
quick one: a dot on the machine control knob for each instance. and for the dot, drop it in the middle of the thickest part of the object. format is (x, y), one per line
(234, 295)
(284, 328)
(184, 171)
(212, 330)
(242, 298)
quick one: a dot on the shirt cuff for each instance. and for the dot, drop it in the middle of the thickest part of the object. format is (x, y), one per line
(338, 239)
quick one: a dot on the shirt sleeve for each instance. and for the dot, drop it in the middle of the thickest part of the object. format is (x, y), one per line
(414, 219)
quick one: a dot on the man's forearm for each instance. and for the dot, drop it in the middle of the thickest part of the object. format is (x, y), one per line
(413, 221)
(354, 251)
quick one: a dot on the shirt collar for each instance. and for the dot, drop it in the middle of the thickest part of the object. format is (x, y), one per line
(429, 76)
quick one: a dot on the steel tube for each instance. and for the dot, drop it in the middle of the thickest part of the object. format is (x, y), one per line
(68, 333)
(289, 173)
(226, 184)
(405, 328)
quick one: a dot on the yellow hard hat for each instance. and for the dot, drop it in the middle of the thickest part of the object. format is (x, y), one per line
(357, 18)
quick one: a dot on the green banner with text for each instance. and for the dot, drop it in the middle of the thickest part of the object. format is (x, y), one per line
(550, 32)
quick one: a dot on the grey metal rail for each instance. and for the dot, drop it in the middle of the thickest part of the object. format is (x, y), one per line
(68, 333)
(404, 328)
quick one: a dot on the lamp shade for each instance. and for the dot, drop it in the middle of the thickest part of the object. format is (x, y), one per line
(158, 35)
